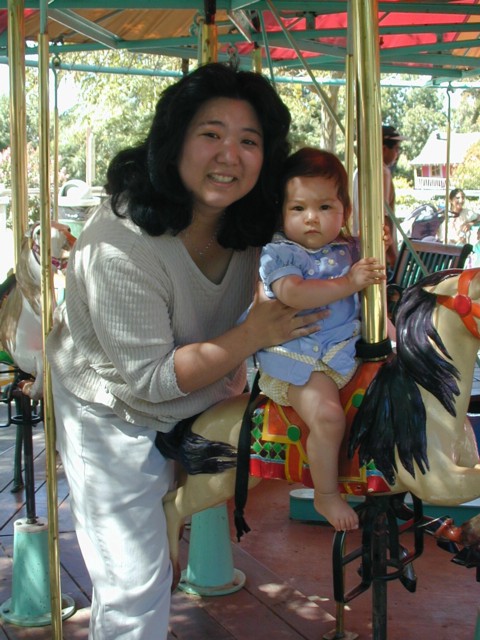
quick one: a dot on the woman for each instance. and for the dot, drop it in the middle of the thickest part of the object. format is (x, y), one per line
(460, 220)
(148, 334)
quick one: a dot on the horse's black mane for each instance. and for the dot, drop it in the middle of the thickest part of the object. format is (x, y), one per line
(392, 414)
(415, 334)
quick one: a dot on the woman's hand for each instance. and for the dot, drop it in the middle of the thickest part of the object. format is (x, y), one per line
(273, 323)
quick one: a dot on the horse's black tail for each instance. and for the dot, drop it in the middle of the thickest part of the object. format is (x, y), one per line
(392, 415)
(194, 452)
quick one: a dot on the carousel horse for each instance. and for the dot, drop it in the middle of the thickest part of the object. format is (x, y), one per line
(21, 335)
(407, 429)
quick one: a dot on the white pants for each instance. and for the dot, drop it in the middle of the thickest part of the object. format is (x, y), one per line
(117, 480)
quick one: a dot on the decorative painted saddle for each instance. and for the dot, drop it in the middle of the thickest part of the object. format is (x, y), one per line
(278, 442)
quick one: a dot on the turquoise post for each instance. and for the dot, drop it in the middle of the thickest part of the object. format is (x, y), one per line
(210, 570)
(29, 605)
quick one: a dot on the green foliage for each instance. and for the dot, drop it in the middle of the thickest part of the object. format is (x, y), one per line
(415, 112)
(467, 174)
(466, 116)
(116, 109)
(4, 124)
(312, 125)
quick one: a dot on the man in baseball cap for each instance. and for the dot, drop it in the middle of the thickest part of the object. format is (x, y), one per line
(391, 149)
(390, 134)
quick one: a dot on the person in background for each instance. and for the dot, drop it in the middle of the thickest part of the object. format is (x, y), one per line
(475, 261)
(460, 220)
(314, 263)
(391, 150)
(148, 335)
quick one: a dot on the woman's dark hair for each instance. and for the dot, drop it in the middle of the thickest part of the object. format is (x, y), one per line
(146, 178)
(454, 193)
(309, 162)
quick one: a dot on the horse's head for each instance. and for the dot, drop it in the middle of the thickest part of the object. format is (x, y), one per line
(461, 294)
(61, 243)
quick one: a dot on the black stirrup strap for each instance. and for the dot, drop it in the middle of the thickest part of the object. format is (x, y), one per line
(243, 460)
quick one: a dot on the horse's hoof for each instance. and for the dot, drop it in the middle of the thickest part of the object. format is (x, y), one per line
(449, 531)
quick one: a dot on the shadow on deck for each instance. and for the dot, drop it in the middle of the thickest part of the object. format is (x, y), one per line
(288, 591)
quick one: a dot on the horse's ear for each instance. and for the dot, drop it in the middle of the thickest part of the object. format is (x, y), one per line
(430, 289)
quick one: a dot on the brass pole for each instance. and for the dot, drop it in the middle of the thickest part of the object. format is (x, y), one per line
(209, 43)
(370, 176)
(55, 188)
(350, 105)
(209, 34)
(257, 58)
(47, 312)
(18, 122)
(447, 169)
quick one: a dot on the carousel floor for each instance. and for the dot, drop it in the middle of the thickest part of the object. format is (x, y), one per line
(287, 563)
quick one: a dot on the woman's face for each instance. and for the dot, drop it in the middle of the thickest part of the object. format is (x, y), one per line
(313, 215)
(222, 154)
(457, 202)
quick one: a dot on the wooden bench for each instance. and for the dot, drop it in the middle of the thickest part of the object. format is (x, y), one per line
(434, 256)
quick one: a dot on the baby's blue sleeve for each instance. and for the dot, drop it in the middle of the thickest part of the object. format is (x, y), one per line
(280, 260)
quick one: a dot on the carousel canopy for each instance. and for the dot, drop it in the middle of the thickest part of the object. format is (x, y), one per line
(436, 39)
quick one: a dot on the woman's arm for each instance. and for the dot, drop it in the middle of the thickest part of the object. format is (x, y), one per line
(298, 293)
(269, 322)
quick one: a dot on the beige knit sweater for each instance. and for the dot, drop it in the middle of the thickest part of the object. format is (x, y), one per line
(131, 299)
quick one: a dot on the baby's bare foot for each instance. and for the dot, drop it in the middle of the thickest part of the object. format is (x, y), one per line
(338, 512)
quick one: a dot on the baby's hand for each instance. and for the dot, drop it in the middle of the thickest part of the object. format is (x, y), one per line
(387, 236)
(365, 272)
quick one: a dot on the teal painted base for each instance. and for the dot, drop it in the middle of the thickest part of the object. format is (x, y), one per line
(301, 508)
(30, 605)
(210, 570)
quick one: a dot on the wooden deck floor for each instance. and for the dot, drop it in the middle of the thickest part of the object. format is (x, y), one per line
(287, 563)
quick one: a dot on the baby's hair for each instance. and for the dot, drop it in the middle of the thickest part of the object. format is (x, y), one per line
(310, 162)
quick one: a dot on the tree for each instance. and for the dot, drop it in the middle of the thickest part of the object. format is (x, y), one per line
(467, 174)
(116, 108)
(415, 112)
(466, 116)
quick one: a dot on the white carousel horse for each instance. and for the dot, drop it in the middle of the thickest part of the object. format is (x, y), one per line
(21, 334)
(411, 423)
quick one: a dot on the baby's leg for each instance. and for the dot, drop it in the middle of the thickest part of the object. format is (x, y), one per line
(318, 404)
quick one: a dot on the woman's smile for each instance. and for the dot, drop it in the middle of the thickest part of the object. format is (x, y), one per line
(222, 154)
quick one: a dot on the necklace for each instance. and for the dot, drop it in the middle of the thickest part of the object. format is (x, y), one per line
(204, 250)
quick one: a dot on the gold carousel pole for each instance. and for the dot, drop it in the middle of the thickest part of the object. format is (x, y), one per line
(447, 170)
(209, 50)
(18, 142)
(47, 307)
(350, 103)
(56, 128)
(370, 177)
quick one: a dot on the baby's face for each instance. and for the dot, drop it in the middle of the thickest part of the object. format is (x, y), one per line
(313, 215)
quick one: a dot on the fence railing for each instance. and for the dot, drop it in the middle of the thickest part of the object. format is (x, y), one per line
(429, 182)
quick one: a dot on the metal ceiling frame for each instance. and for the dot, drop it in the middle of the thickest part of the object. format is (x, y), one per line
(435, 60)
